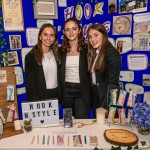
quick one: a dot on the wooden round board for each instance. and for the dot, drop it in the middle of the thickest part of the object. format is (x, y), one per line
(120, 137)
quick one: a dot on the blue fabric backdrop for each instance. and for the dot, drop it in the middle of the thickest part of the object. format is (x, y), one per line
(101, 16)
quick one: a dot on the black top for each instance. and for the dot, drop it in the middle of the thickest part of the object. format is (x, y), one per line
(109, 77)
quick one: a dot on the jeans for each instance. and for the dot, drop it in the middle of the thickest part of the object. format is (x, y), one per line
(73, 99)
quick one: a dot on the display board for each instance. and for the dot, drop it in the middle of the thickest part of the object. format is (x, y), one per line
(7, 77)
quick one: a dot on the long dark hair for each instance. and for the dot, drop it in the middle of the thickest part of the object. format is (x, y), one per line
(104, 47)
(37, 50)
(119, 48)
(65, 44)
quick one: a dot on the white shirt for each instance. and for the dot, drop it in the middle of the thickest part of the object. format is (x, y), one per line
(72, 69)
(93, 72)
(50, 70)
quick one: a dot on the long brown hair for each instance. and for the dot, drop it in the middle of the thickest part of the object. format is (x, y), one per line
(92, 52)
(37, 50)
(118, 47)
(65, 44)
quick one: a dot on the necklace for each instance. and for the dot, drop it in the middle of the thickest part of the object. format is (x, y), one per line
(74, 50)
(48, 55)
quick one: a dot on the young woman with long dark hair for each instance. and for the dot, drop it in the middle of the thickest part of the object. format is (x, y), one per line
(104, 63)
(41, 66)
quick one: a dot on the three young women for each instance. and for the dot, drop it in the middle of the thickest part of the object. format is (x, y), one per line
(104, 63)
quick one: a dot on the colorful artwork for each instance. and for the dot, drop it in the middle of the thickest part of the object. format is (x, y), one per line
(77, 141)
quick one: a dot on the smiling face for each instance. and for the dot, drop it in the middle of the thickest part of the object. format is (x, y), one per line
(71, 30)
(47, 38)
(95, 38)
(120, 44)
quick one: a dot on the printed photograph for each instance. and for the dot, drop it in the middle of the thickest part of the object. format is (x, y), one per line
(124, 44)
(146, 79)
(15, 42)
(132, 6)
(119, 46)
(10, 58)
(112, 6)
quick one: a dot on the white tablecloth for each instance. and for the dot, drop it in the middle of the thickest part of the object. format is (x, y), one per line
(24, 141)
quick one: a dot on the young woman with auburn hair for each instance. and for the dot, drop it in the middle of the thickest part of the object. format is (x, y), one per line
(74, 77)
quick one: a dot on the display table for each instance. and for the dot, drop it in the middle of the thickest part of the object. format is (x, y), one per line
(84, 127)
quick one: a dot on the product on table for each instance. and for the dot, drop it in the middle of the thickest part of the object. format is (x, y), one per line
(120, 137)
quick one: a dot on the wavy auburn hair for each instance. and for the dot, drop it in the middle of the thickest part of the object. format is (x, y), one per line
(37, 50)
(102, 51)
(65, 43)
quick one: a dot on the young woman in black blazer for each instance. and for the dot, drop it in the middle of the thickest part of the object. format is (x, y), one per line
(41, 69)
(74, 77)
(104, 63)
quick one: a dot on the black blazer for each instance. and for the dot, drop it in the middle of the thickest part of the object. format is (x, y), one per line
(109, 77)
(35, 79)
(83, 75)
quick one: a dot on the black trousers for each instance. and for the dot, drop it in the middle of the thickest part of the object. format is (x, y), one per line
(95, 100)
(73, 99)
(49, 94)
(98, 101)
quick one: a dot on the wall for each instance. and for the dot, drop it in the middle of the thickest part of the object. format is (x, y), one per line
(100, 16)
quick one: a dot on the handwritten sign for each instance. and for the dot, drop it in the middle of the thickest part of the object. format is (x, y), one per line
(41, 112)
(32, 36)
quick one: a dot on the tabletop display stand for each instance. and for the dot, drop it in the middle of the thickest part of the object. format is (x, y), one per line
(9, 129)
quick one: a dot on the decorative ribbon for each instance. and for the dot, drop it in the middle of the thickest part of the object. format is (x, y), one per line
(84, 124)
(81, 125)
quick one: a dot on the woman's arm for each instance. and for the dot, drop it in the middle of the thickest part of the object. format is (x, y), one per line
(30, 77)
(114, 66)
